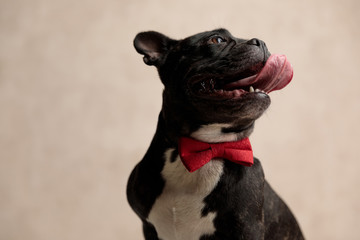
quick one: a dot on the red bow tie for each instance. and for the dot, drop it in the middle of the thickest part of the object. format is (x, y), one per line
(195, 154)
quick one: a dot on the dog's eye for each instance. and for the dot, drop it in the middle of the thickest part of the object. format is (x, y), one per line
(217, 40)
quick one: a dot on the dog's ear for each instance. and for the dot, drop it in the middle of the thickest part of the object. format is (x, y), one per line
(153, 46)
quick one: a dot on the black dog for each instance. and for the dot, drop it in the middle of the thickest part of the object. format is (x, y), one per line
(216, 86)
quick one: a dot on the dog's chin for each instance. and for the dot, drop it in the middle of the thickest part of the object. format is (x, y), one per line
(239, 106)
(240, 111)
(229, 100)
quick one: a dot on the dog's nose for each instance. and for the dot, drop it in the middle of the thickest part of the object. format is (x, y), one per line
(254, 41)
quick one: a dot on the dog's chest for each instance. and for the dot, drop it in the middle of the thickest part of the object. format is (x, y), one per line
(176, 214)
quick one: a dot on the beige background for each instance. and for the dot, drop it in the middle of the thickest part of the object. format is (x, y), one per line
(78, 109)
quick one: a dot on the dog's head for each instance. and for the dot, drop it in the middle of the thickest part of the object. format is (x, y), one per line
(213, 77)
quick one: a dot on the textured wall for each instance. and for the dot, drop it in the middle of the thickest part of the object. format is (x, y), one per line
(78, 109)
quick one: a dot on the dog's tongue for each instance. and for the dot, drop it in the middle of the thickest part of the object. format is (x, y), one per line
(275, 75)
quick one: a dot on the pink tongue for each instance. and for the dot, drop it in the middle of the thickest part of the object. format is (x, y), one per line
(275, 75)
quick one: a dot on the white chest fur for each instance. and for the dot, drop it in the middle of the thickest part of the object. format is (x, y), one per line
(176, 214)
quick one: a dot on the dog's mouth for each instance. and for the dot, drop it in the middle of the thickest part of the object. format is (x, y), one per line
(274, 75)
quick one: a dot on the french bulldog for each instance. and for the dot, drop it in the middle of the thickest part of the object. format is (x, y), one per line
(215, 87)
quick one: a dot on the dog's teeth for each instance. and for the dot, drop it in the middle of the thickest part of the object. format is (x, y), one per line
(251, 89)
(207, 85)
(257, 90)
(204, 86)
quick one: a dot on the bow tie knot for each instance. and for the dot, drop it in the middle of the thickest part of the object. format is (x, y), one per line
(195, 154)
(217, 150)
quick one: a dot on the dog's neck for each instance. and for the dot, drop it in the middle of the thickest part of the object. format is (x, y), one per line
(217, 132)
(210, 133)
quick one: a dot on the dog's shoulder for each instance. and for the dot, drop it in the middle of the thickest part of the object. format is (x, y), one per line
(145, 183)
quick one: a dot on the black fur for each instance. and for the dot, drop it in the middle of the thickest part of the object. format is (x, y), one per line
(246, 206)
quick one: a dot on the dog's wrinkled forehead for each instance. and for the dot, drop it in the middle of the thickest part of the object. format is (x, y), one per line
(212, 45)
(203, 37)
